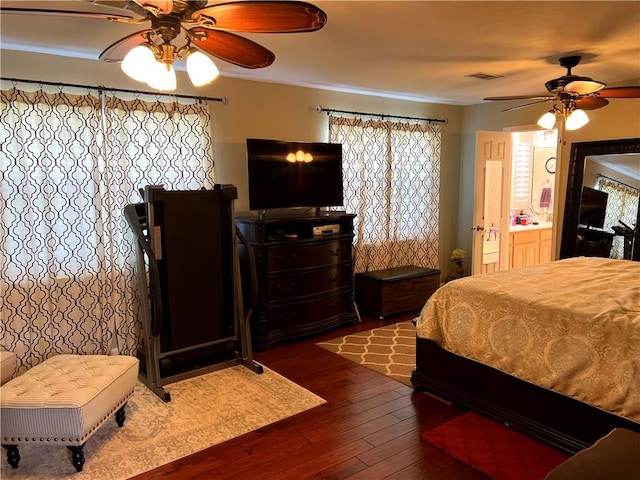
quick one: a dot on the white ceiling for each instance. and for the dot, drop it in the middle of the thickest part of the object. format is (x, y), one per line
(418, 50)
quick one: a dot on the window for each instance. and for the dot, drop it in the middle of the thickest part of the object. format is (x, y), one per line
(70, 164)
(392, 183)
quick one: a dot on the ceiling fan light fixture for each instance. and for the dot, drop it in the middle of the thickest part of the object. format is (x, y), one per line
(162, 77)
(576, 119)
(583, 87)
(138, 62)
(548, 120)
(200, 68)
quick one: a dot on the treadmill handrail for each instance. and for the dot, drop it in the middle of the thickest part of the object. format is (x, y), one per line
(133, 219)
(252, 270)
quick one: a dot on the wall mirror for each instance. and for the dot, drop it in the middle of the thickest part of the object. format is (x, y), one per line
(587, 161)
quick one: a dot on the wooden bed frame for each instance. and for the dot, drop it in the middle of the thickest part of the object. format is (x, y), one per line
(556, 419)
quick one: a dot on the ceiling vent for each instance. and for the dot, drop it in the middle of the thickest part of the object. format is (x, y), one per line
(484, 76)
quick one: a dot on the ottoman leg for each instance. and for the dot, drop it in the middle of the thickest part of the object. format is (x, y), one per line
(120, 415)
(77, 456)
(13, 455)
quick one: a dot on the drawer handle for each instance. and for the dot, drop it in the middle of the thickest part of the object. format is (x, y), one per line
(335, 278)
(287, 259)
(336, 305)
(335, 252)
(287, 288)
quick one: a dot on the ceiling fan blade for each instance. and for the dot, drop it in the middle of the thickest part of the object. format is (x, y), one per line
(550, 99)
(591, 103)
(522, 97)
(231, 48)
(620, 92)
(68, 13)
(117, 50)
(122, 4)
(264, 16)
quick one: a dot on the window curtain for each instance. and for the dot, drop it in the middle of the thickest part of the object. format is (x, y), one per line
(391, 176)
(622, 204)
(70, 163)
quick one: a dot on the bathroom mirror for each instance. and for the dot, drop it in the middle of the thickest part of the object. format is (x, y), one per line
(580, 152)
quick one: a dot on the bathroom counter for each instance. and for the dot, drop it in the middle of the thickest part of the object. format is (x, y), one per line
(524, 228)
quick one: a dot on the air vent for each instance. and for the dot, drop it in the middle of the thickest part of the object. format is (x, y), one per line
(484, 76)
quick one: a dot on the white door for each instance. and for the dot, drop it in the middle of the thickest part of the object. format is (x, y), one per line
(492, 200)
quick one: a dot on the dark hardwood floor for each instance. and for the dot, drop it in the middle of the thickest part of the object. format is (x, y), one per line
(368, 429)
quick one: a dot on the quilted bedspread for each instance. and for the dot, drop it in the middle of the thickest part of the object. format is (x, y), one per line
(572, 326)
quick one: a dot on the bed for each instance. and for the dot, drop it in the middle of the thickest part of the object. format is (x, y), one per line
(551, 350)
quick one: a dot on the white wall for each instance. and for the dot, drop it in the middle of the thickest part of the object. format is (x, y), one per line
(619, 119)
(592, 169)
(268, 110)
(265, 110)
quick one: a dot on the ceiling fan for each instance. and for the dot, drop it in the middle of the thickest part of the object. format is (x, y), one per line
(572, 94)
(206, 28)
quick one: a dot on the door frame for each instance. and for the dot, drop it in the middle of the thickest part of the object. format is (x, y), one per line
(491, 146)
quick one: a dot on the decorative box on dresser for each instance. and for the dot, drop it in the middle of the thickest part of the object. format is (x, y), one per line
(304, 272)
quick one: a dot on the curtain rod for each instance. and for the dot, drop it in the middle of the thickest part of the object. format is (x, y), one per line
(320, 109)
(617, 181)
(223, 100)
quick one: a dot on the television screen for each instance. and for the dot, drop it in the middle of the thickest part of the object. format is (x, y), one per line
(293, 174)
(593, 207)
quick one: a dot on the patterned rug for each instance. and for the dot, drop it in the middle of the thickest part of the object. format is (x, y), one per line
(390, 350)
(493, 449)
(203, 411)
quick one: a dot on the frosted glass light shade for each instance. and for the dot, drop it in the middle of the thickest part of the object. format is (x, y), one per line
(547, 121)
(200, 68)
(162, 77)
(583, 87)
(136, 64)
(576, 119)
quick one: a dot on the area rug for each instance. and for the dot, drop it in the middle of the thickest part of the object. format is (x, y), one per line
(390, 350)
(493, 449)
(203, 411)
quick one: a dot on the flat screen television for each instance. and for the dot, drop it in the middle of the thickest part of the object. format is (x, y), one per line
(593, 207)
(286, 174)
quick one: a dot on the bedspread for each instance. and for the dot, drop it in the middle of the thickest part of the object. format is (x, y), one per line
(572, 326)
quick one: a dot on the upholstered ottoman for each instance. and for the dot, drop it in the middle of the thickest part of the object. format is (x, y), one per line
(7, 366)
(64, 400)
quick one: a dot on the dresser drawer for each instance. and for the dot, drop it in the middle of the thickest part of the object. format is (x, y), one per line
(308, 283)
(299, 315)
(300, 255)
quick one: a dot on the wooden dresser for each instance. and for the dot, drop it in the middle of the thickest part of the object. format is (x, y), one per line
(304, 269)
(594, 243)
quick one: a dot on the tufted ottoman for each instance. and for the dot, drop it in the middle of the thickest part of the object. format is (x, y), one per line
(7, 366)
(64, 400)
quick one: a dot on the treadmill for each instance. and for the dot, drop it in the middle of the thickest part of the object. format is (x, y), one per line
(191, 305)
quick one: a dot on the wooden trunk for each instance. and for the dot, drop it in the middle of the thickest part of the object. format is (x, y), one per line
(395, 290)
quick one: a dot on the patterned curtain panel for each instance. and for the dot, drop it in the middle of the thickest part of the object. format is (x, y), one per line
(392, 183)
(622, 204)
(69, 165)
